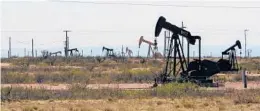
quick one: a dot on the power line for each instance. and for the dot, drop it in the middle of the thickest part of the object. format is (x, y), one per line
(158, 5)
(32, 48)
(28, 42)
(22, 42)
(120, 31)
(74, 31)
(28, 31)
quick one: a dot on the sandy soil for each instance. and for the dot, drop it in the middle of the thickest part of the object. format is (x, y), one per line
(240, 85)
(5, 64)
(234, 85)
(91, 86)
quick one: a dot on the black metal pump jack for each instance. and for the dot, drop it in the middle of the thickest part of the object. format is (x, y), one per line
(229, 64)
(71, 51)
(174, 49)
(197, 71)
(109, 52)
(55, 53)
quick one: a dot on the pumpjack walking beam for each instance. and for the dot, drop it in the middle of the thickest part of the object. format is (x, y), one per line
(55, 53)
(173, 28)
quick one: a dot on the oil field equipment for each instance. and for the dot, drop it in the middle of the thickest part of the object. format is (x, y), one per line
(109, 52)
(71, 51)
(55, 53)
(229, 64)
(129, 52)
(154, 50)
(197, 71)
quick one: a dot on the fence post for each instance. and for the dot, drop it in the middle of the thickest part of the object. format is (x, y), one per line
(244, 79)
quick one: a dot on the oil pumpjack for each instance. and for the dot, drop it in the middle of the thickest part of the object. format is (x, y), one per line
(229, 64)
(55, 53)
(129, 52)
(109, 52)
(153, 49)
(197, 71)
(71, 51)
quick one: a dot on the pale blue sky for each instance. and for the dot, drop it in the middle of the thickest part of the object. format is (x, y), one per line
(97, 25)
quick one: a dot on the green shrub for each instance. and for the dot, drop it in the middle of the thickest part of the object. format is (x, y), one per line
(42, 64)
(14, 77)
(68, 77)
(130, 78)
(176, 89)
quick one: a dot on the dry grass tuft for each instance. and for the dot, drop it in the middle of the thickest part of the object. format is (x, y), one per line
(188, 104)
(108, 109)
(151, 104)
(246, 97)
(159, 103)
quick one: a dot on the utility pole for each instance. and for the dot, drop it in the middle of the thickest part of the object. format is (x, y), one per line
(82, 52)
(183, 27)
(245, 41)
(164, 49)
(188, 45)
(24, 52)
(193, 54)
(249, 51)
(122, 51)
(166, 43)
(166, 37)
(66, 43)
(35, 53)
(32, 48)
(240, 54)
(9, 51)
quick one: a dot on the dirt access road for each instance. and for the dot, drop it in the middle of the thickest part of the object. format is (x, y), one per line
(91, 86)
(233, 85)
